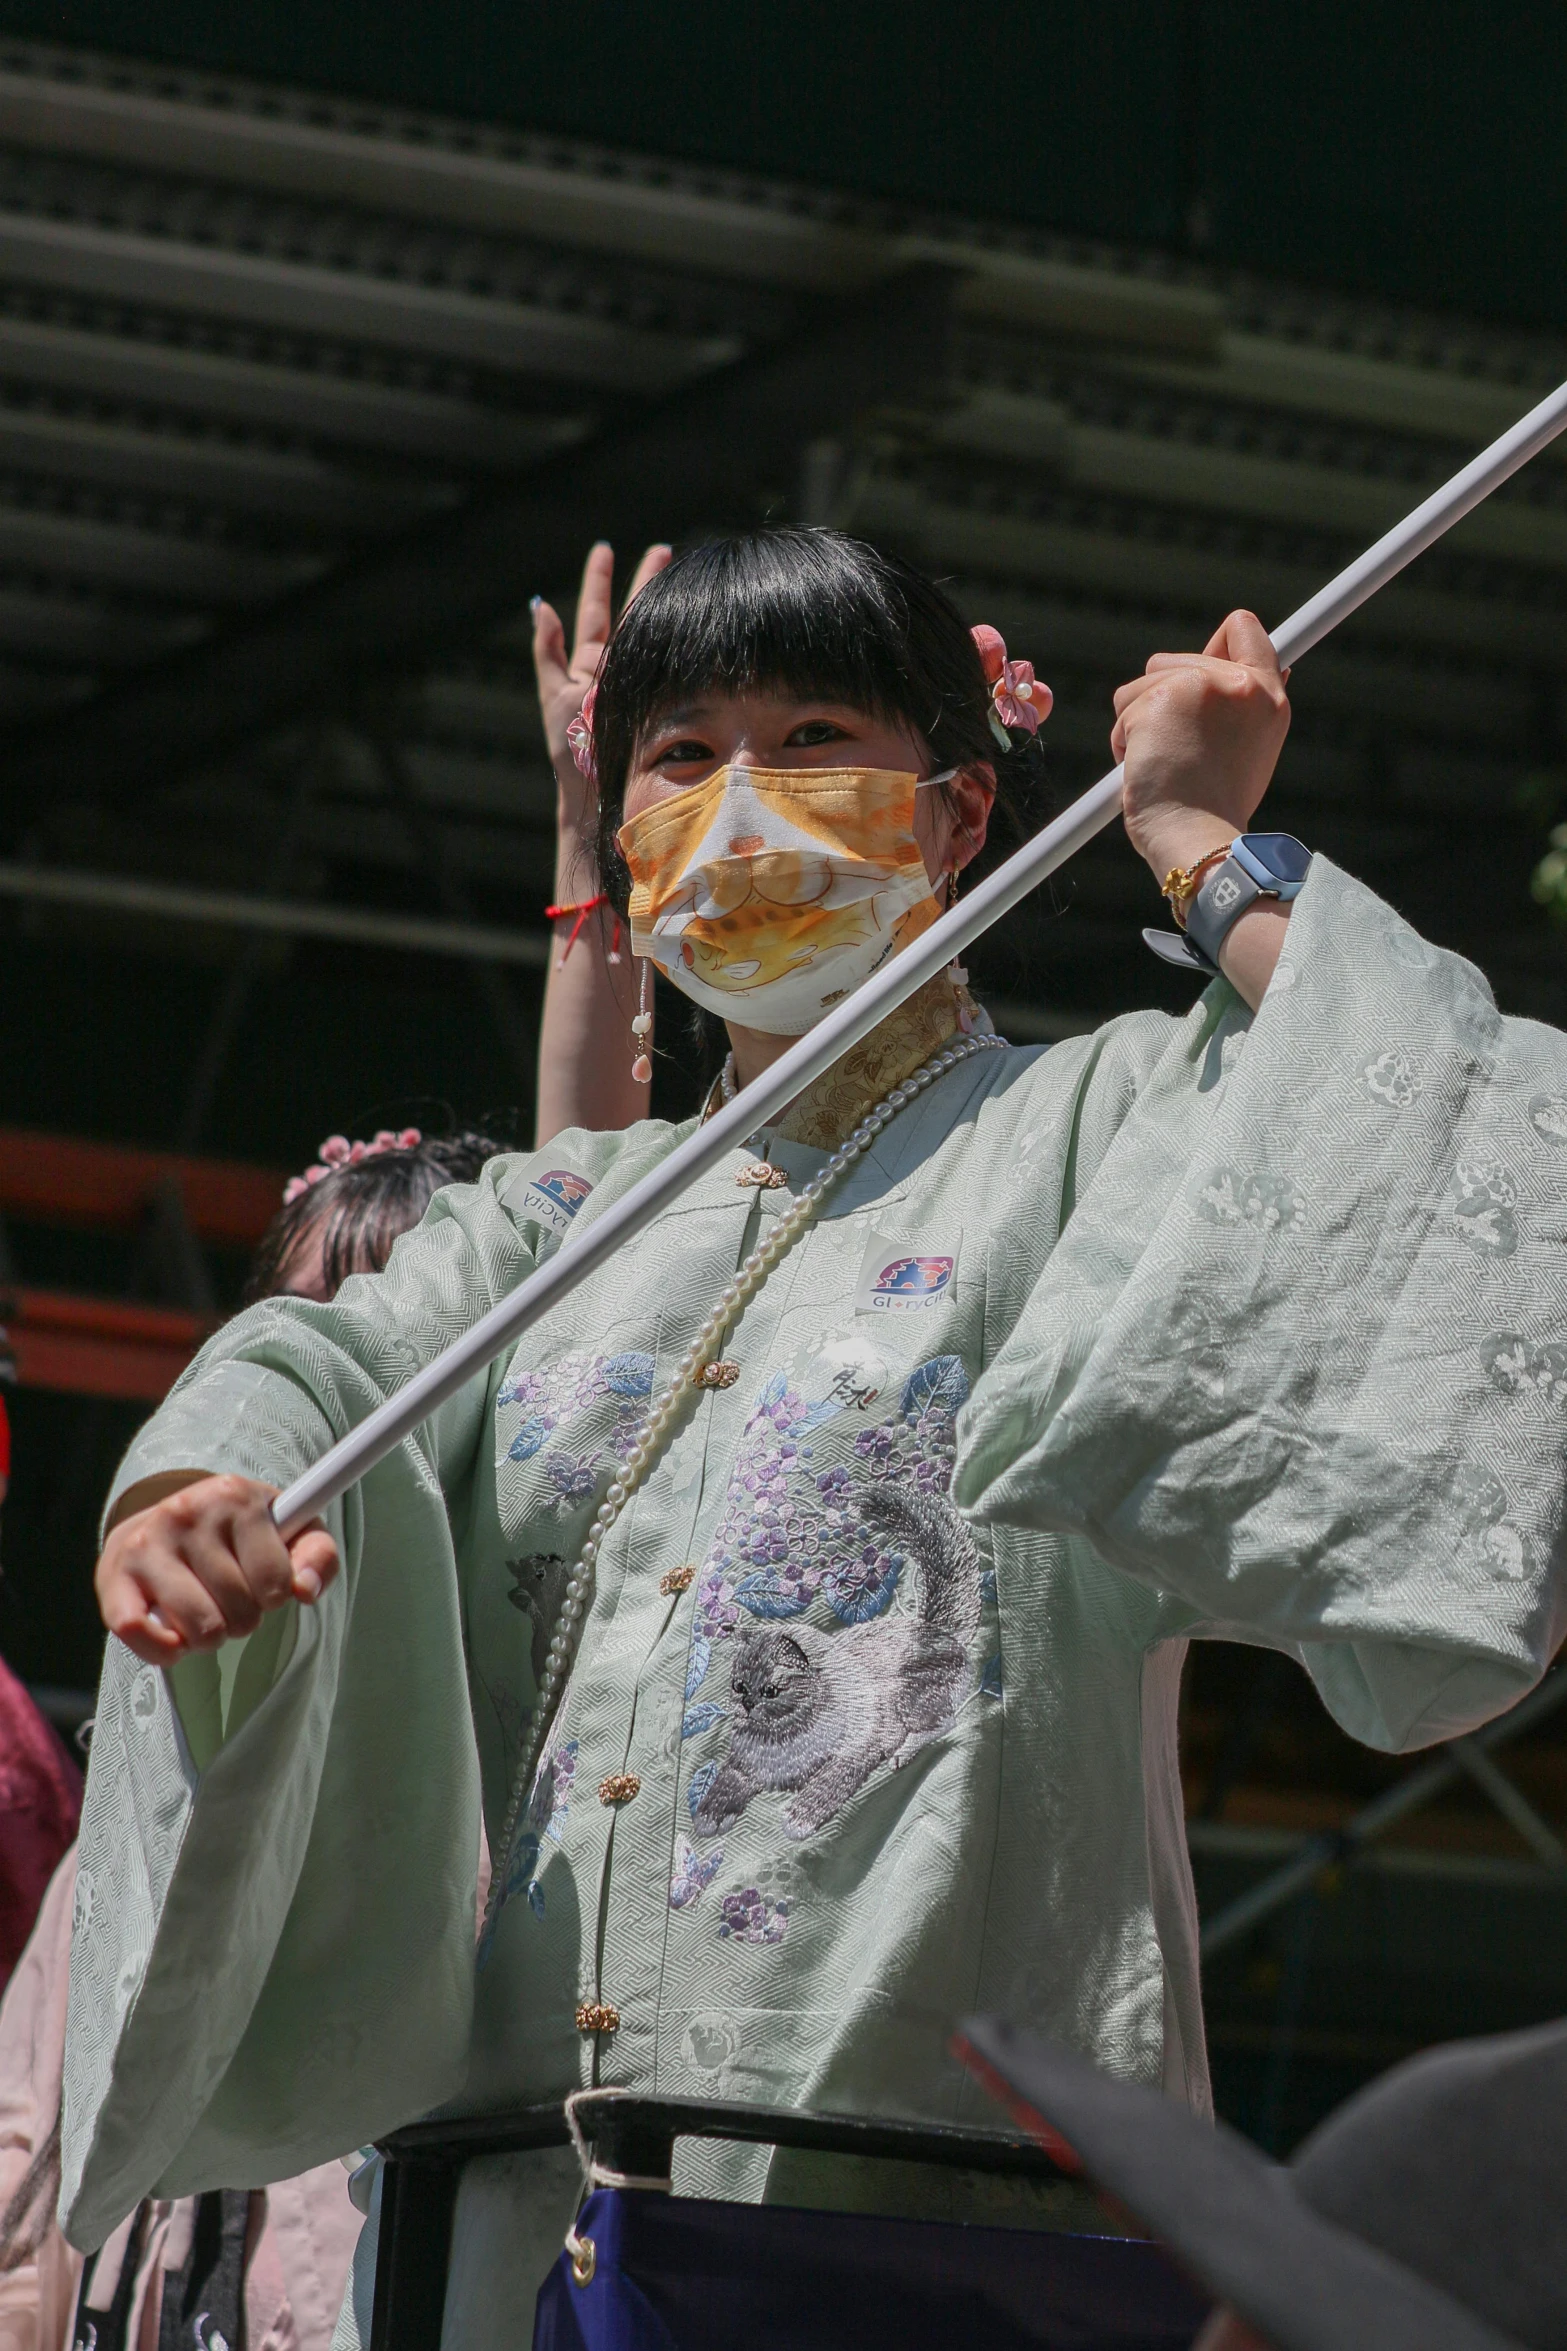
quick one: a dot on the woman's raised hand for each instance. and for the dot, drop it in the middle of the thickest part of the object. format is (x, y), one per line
(565, 678)
(1200, 734)
(203, 1566)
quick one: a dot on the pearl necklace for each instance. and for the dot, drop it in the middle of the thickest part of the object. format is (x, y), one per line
(655, 1429)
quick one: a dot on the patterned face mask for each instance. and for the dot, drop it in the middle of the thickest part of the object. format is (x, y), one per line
(767, 894)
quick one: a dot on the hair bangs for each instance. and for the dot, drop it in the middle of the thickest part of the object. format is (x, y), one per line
(801, 615)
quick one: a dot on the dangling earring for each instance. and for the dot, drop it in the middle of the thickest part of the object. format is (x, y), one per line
(957, 971)
(642, 1029)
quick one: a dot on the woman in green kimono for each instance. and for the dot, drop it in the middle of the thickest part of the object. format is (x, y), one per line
(847, 1529)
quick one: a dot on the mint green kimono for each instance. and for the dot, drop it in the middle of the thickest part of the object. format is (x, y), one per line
(1233, 1325)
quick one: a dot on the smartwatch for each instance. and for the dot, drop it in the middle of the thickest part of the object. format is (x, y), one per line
(1259, 865)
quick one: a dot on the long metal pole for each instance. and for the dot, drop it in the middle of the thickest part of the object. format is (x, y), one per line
(1395, 1803)
(506, 1321)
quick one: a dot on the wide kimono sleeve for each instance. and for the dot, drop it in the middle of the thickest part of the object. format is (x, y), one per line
(1299, 1360)
(273, 1954)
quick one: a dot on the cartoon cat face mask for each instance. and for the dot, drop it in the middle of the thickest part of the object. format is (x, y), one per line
(767, 894)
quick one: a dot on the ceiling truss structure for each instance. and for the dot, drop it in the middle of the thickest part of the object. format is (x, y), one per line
(300, 397)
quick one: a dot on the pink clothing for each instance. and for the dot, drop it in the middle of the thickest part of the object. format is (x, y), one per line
(40, 1802)
(302, 2231)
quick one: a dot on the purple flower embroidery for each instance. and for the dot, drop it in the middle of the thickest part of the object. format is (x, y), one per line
(750, 1918)
(716, 1613)
(694, 1873)
(570, 1386)
(790, 1532)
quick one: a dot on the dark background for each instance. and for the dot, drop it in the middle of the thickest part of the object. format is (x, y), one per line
(1413, 152)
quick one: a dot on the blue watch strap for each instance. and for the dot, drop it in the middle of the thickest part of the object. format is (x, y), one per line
(1259, 865)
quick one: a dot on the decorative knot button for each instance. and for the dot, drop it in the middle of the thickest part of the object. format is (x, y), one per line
(619, 1788)
(721, 1374)
(597, 2016)
(676, 1579)
(762, 1176)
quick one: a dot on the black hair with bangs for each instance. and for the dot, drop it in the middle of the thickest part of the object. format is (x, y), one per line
(807, 614)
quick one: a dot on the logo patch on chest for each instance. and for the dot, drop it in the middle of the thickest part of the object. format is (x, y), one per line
(894, 1279)
(554, 1197)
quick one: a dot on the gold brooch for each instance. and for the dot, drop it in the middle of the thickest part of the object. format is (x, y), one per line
(762, 1176)
(716, 1375)
(619, 1788)
(676, 1579)
(597, 2016)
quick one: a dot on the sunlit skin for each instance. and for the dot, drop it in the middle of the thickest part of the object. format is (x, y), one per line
(183, 1570)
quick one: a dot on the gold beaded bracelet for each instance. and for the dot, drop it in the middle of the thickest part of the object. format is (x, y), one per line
(1180, 884)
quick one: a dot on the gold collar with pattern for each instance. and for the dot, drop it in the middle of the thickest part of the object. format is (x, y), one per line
(833, 1104)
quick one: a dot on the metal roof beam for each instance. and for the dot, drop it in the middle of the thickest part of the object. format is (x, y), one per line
(461, 176)
(154, 563)
(710, 451)
(305, 298)
(360, 409)
(58, 626)
(245, 477)
(1188, 577)
(1166, 469)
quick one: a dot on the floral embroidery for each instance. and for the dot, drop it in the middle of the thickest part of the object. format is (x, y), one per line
(1548, 1117)
(572, 1385)
(1272, 1204)
(1480, 1200)
(789, 1532)
(694, 1873)
(1484, 1503)
(1516, 1364)
(1392, 1079)
(548, 1807)
(574, 1478)
(710, 2044)
(750, 1918)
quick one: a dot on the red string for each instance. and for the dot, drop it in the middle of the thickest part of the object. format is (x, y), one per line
(581, 908)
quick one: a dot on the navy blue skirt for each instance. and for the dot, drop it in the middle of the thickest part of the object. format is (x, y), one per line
(676, 2273)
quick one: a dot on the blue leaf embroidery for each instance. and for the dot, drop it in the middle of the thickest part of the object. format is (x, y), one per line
(701, 1718)
(536, 1899)
(629, 1375)
(697, 1663)
(990, 1679)
(701, 1780)
(765, 1596)
(529, 1438)
(938, 1386)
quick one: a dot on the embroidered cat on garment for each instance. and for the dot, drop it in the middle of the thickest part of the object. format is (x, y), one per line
(816, 1713)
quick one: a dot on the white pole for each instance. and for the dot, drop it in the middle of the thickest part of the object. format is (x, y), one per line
(506, 1321)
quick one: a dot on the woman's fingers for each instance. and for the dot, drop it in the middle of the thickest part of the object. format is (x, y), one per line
(593, 606)
(655, 559)
(313, 1562)
(549, 645)
(260, 1553)
(204, 1566)
(133, 1618)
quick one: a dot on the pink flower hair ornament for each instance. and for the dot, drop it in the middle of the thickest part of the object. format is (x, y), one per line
(580, 736)
(337, 1152)
(1017, 697)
